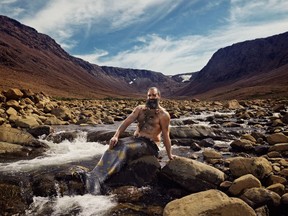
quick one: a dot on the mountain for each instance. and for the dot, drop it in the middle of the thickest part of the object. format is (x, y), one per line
(256, 68)
(29, 59)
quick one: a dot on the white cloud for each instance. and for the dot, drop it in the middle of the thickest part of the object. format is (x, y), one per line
(61, 19)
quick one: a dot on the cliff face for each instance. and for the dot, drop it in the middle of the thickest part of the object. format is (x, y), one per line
(243, 65)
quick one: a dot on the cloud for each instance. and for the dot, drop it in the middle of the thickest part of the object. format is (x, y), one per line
(186, 54)
(62, 19)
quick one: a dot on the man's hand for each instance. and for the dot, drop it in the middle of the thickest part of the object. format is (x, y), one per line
(113, 141)
(171, 157)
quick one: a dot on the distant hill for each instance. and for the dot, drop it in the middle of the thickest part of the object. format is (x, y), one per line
(29, 59)
(250, 69)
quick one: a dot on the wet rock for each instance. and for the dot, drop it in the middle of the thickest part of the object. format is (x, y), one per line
(104, 135)
(256, 197)
(284, 199)
(282, 147)
(192, 175)
(128, 193)
(259, 167)
(61, 136)
(40, 130)
(208, 142)
(242, 183)
(209, 203)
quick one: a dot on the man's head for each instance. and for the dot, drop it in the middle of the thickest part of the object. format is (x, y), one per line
(153, 97)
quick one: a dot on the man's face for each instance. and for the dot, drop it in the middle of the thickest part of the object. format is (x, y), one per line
(153, 97)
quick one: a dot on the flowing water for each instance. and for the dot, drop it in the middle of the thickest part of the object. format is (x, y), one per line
(66, 153)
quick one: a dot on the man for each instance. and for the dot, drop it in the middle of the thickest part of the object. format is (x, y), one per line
(153, 121)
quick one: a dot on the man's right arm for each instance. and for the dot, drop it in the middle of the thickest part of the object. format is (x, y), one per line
(130, 119)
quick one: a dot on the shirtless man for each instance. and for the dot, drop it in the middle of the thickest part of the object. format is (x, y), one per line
(152, 121)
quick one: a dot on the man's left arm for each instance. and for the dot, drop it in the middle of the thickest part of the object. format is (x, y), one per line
(165, 122)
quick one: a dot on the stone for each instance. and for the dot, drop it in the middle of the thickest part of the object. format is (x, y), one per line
(284, 199)
(281, 147)
(207, 142)
(242, 145)
(233, 104)
(277, 188)
(40, 130)
(62, 113)
(11, 111)
(192, 175)
(208, 203)
(256, 197)
(257, 166)
(273, 179)
(248, 137)
(277, 138)
(14, 104)
(211, 154)
(53, 120)
(26, 122)
(242, 183)
(14, 94)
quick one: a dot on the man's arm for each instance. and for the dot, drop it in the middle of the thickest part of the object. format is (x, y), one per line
(130, 119)
(165, 122)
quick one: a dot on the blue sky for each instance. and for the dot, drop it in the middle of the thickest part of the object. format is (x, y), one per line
(168, 36)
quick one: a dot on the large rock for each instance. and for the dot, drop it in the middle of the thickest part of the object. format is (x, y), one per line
(26, 122)
(104, 135)
(208, 203)
(233, 104)
(277, 138)
(195, 131)
(14, 94)
(258, 166)
(193, 175)
(16, 136)
(256, 197)
(242, 183)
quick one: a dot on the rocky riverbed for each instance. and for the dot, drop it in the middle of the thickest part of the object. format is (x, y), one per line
(231, 158)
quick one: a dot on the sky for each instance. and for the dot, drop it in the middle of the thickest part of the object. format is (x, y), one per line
(167, 36)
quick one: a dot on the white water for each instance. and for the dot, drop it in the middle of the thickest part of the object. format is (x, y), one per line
(86, 205)
(61, 153)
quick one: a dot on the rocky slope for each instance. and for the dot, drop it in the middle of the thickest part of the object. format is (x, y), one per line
(247, 69)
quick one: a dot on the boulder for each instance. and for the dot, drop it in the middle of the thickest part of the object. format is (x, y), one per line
(233, 104)
(257, 166)
(242, 183)
(40, 130)
(14, 94)
(242, 145)
(192, 175)
(104, 135)
(62, 113)
(26, 122)
(61, 136)
(277, 188)
(277, 138)
(195, 131)
(208, 203)
(281, 147)
(256, 197)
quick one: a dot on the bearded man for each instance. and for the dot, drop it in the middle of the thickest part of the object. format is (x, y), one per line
(153, 121)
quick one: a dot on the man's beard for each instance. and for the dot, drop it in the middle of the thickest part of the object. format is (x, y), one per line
(152, 103)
